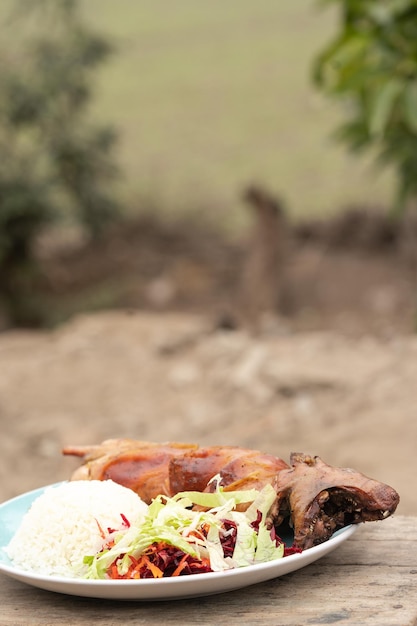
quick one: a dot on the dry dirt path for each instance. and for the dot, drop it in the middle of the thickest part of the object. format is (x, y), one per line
(171, 377)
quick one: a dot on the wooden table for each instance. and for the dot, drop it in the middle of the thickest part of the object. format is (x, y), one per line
(371, 579)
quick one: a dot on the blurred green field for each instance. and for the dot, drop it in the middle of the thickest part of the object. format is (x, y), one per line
(210, 96)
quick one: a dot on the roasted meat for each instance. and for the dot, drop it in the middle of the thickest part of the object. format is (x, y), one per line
(321, 498)
(315, 498)
(139, 465)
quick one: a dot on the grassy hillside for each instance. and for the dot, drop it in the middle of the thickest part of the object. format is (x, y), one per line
(210, 96)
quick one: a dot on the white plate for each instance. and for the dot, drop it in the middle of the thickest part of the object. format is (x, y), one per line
(12, 511)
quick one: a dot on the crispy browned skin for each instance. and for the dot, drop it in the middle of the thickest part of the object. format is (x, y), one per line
(151, 469)
(139, 465)
(317, 499)
(237, 468)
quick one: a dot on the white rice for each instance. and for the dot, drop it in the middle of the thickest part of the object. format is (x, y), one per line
(61, 527)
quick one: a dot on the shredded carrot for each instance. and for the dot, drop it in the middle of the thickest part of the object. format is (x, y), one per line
(100, 530)
(156, 572)
(144, 566)
(180, 566)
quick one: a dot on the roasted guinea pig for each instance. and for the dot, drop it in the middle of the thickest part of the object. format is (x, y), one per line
(315, 498)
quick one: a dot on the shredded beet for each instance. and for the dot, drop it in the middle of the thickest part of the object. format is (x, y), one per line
(288, 550)
(257, 521)
(228, 537)
(126, 522)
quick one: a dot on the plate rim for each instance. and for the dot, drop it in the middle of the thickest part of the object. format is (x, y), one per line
(91, 587)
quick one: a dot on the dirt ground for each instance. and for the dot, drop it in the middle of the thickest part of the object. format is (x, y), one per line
(334, 376)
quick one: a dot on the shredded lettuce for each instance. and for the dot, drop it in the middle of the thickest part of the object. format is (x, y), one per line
(198, 533)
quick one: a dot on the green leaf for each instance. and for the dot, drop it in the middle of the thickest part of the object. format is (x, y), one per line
(339, 58)
(353, 133)
(409, 102)
(382, 106)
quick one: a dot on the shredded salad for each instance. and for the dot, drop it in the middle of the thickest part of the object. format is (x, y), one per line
(190, 533)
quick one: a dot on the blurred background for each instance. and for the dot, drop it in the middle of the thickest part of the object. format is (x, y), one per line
(210, 97)
(207, 224)
(118, 120)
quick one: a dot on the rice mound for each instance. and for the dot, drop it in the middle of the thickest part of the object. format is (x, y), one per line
(61, 527)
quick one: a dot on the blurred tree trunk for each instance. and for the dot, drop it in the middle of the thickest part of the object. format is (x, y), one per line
(260, 291)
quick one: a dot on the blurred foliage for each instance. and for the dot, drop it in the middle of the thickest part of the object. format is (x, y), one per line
(372, 65)
(55, 164)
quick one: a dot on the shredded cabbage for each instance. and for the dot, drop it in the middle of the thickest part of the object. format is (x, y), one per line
(198, 533)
